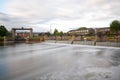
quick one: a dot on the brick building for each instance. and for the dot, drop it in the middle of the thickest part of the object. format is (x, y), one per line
(85, 31)
(101, 33)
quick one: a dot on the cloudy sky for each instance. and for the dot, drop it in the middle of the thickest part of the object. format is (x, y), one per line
(61, 14)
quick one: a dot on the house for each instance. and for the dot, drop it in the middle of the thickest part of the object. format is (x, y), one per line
(104, 30)
(81, 31)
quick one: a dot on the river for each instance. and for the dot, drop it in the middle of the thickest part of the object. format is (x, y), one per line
(54, 61)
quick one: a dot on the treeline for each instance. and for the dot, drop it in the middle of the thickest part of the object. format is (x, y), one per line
(57, 33)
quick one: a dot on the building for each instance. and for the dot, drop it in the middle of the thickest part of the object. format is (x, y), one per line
(101, 33)
(104, 30)
(82, 31)
(23, 34)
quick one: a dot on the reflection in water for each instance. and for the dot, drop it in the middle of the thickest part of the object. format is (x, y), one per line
(49, 61)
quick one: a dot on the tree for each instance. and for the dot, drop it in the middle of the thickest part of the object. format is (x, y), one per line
(56, 33)
(82, 28)
(3, 31)
(115, 27)
(61, 34)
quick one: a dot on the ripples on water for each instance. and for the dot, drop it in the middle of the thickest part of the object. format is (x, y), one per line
(49, 61)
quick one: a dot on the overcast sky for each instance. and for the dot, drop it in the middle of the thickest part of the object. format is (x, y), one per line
(61, 14)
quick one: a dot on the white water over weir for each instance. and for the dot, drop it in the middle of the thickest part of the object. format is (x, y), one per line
(53, 61)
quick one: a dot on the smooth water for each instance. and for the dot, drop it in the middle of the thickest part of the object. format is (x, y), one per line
(50, 61)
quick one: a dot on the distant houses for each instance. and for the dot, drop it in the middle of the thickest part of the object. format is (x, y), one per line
(80, 34)
(105, 30)
(98, 33)
(101, 33)
(22, 34)
(89, 31)
(35, 34)
(81, 31)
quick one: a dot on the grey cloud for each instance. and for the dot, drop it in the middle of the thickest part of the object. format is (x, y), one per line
(4, 17)
(62, 9)
(28, 12)
(9, 22)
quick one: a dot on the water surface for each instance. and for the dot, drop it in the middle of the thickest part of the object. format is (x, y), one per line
(50, 61)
